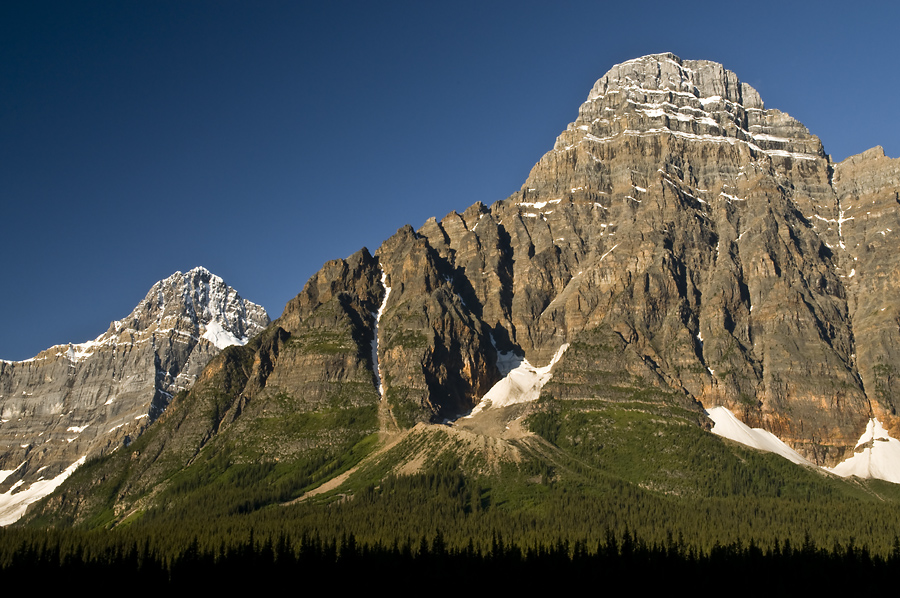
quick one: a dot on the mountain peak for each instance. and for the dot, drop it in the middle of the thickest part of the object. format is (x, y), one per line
(193, 301)
(78, 400)
(668, 73)
(685, 110)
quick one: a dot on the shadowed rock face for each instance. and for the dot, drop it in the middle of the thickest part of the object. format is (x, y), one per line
(78, 400)
(867, 219)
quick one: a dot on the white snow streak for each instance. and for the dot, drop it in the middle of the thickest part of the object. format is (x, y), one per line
(376, 366)
(538, 204)
(608, 252)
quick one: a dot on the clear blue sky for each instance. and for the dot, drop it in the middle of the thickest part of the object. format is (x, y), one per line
(260, 139)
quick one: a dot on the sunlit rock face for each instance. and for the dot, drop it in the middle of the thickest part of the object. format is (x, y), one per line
(697, 229)
(706, 245)
(84, 400)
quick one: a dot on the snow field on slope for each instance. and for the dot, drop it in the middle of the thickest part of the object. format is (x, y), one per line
(13, 504)
(877, 454)
(521, 382)
(221, 338)
(729, 426)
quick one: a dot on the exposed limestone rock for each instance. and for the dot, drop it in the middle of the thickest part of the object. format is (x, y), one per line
(868, 223)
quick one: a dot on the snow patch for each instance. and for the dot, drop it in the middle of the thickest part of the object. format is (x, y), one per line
(521, 382)
(221, 338)
(877, 455)
(5, 473)
(13, 504)
(729, 426)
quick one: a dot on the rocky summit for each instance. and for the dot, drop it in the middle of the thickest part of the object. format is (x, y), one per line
(707, 240)
(680, 248)
(76, 401)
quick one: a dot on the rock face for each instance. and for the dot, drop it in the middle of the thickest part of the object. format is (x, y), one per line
(703, 236)
(866, 220)
(691, 247)
(82, 400)
(706, 241)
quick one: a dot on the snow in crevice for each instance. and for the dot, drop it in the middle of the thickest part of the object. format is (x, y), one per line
(521, 382)
(877, 455)
(376, 365)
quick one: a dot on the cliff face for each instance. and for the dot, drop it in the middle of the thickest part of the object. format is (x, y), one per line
(707, 239)
(867, 218)
(681, 246)
(714, 238)
(81, 400)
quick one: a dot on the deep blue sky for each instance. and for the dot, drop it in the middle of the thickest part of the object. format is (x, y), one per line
(260, 139)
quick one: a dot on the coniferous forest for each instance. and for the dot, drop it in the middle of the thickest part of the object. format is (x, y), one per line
(519, 529)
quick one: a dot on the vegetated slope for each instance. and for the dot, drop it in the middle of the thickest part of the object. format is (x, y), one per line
(690, 248)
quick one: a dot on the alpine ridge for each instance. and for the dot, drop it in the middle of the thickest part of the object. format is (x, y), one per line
(681, 247)
(75, 401)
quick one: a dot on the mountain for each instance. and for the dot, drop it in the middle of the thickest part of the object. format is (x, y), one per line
(681, 248)
(77, 401)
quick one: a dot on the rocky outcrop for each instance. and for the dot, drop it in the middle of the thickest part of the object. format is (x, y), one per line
(83, 400)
